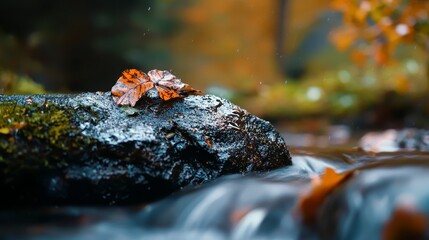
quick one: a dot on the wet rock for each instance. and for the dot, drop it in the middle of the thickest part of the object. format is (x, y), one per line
(413, 139)
(408, 139)
(83, 149)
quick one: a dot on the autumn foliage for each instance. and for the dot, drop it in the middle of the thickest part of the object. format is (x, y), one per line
(374, 28)
(405, 223)
(133, 84)
(322, 186)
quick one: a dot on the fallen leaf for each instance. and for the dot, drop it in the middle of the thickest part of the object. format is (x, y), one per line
(169, 86)
(166, 93)
(166, 79)
(130, 87)
(405, 224)
(187, 90)
(238, 214)
(322, 186)
(133, 84)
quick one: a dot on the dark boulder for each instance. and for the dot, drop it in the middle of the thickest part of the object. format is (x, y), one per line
(83, 149)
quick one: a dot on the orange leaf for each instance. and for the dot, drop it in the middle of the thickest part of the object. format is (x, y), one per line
(130, 87)
(405, 224)
(189, 91)
(166, 79)
(166, 93)
(322, 186)
(133, 84)
(239, 214)
(169, 86)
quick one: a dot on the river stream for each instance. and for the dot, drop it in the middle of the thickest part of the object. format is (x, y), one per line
(255, 206)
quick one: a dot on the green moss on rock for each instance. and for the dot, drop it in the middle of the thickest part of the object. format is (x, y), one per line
(48, 128)
(13, 83)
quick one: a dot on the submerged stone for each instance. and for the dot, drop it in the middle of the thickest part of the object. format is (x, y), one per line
(83, 149)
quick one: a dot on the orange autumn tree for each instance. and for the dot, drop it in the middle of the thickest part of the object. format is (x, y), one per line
(373, 29)
(227, 43)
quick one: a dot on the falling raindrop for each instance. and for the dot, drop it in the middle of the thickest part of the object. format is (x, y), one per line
(285, 81)
(148, 8)
(238, 50)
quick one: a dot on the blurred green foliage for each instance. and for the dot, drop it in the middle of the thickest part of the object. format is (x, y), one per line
(343, 90)
(11, 83)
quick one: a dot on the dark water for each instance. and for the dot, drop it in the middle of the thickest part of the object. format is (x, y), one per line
(257, 206)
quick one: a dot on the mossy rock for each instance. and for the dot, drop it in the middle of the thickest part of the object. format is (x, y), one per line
(48, 128)
(83, 149)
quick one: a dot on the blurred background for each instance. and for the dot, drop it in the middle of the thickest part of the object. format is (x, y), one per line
(329, 68)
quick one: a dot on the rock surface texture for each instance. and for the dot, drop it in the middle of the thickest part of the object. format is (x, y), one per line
(83, 149)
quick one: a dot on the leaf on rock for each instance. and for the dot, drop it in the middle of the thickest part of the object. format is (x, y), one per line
(166, 83)
(130, 87)
(169, 86)
(133, 84)
(405, 223)
(322, 186)
(166, 79)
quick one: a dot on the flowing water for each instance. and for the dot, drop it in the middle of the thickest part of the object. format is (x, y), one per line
(256, 206)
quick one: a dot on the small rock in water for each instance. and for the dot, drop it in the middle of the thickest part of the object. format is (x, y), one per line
(396, 140)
